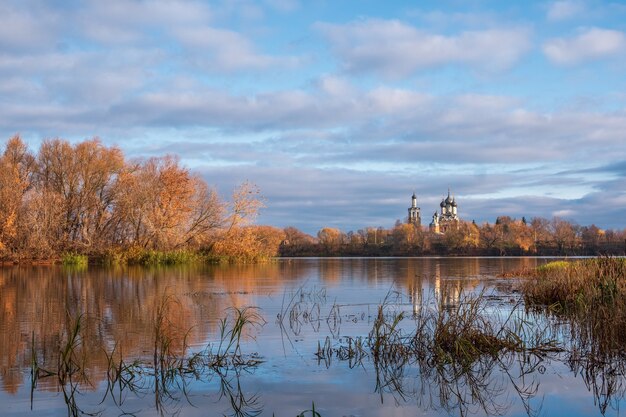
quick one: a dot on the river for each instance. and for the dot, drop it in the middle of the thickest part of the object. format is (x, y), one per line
(295, 353)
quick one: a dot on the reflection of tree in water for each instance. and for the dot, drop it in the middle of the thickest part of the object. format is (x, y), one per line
(167, 375)
(120, 302)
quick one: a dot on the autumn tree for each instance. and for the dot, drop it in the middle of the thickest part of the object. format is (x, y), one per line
(250, 244)
(406, 238)
(161, 205)
(85, 197)
(464, 238)
(17, 166)
(80, 180)
(564, 233)
(330, 239)
(238, 240)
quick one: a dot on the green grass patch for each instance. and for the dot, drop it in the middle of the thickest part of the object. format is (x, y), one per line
(553, 266)
(154, 257)
(148, 257)
(74, 259)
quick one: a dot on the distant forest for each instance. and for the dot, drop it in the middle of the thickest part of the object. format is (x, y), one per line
(505, 237)
(89, 200)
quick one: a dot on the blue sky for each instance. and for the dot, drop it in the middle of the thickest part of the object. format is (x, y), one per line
(340, 110)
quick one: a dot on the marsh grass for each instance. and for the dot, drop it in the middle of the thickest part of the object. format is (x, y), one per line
(312, 412)
(74, 259)
(70, 370)
(581, 285)
(167, 375)
(454, 350)
(149, 257)
(587, 298)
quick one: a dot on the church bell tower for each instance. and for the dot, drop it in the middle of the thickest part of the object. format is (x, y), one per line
(414, 212)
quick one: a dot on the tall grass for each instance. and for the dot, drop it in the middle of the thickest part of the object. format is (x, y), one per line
(166, 374)
(70, 370)
(455, 350)
(581, 285)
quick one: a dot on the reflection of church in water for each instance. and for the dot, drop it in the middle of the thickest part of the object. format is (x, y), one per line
(442, 222)
(444, 283)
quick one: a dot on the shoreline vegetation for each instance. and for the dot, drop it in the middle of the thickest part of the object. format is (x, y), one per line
(506, 237)
(583, 286)
(85, 203)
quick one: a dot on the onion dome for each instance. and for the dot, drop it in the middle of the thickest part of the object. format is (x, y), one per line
(443, 203)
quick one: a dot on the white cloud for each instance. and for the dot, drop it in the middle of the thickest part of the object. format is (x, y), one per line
(21, 28)
(590, 44)
(229, 50)
(396, 49)
(563, 10)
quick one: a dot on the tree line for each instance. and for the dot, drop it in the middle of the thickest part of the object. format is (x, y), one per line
(506, 236)
(87, 198)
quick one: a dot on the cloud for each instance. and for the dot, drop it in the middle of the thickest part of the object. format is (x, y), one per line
(395, 49)
(24, 29)
(563, 10)
(227, 50)
(327, 147)
(312, 198)
(118, 22)
(589, 44)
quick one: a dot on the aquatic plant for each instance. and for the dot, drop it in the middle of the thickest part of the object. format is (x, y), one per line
(311, 412)
(71, 368)
(455, 350)
(166, 374)
(581, 285)
(74, 259)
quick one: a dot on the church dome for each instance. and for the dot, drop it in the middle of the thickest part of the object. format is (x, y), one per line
(443, 203)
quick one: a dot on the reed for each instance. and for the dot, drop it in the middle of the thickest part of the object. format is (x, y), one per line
(581, 285)
(453, 350)
(70, 371)
(312, 412)
(459, 335)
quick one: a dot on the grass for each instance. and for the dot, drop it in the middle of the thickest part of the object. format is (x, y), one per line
(454, 351)
(71, 369)
(460, 335)
(74, 259)
(581, 285)
(148, 257)
(151, 257)
(166, 374)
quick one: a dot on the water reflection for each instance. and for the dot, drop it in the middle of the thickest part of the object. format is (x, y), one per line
(120, 305)
(333, 301)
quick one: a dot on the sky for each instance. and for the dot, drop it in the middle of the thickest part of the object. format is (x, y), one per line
(339, 110)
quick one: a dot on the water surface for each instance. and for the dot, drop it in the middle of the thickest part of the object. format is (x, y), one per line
(304, 303)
